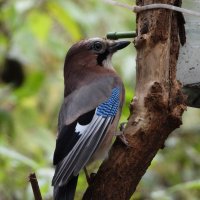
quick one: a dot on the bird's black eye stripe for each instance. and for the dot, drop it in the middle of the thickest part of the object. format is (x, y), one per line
(97, 46)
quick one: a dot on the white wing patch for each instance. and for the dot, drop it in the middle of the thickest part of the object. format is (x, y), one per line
(80, 129)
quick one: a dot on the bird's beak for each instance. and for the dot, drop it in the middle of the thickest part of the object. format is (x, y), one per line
(115, 46)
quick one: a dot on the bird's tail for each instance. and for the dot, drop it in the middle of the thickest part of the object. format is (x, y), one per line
(66, 192)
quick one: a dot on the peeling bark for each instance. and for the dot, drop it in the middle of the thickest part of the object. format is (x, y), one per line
(156, 109)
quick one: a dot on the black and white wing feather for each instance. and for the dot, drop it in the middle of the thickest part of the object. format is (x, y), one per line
(78, 148)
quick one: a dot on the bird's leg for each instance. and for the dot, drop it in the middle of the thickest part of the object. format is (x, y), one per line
(90, 177)
(87, 175)
(120, 133)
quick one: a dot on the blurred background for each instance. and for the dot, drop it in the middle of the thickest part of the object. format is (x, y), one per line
(34, 38)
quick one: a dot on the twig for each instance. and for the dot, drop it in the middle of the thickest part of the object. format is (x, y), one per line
(35, 186)
(137, 9)
(123, 5)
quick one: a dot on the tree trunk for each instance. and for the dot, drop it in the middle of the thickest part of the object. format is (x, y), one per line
(155, 111)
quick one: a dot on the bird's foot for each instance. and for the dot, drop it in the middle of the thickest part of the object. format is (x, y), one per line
(122, 126)
(120, 134)
(121, 129)
(123, 139)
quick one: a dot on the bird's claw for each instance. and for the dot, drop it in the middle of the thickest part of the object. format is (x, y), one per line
(122, 126)
(121, 135)
(123, 139)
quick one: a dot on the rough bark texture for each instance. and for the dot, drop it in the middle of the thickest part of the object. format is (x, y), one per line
(155, 111)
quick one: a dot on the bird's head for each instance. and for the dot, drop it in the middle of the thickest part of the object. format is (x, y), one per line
(93, 52)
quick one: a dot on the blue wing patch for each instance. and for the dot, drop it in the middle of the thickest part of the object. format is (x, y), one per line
(110, 107)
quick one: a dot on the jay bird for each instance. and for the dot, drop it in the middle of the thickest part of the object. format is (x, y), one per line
(88, 118)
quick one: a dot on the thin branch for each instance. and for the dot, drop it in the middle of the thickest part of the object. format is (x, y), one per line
(35, 186)
(138, 9)
(123, 5)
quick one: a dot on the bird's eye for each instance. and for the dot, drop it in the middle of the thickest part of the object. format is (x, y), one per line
(97, 46)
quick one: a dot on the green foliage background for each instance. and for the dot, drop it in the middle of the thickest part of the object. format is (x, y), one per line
(38, 34)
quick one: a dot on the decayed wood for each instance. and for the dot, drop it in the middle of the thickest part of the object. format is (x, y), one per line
(155, 111)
